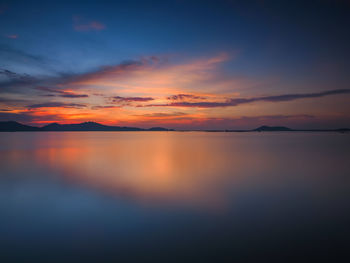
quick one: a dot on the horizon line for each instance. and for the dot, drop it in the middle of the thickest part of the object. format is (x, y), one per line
(172, 129)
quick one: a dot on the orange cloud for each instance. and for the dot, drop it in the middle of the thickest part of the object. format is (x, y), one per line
(154, 91)
(155, 76)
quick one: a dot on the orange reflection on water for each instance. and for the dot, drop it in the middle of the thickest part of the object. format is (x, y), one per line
(147, 166)
(182, 168)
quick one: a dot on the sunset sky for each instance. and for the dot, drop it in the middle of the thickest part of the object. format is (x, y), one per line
(177, 64)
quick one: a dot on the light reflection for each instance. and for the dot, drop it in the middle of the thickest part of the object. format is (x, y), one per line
(196, 169)
(146, 166)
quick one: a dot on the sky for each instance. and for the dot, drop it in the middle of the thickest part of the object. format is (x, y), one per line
(176, 64)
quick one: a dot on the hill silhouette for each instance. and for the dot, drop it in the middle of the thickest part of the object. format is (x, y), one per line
(87, 126)
(13, 126)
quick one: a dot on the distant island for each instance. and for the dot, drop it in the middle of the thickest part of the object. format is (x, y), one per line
(265, 128)
(13, 126)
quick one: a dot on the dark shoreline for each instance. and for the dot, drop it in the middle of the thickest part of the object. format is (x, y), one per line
(12, 126)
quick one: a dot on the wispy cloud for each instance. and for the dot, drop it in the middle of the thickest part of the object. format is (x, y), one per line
(163, 115)
(104, 74)
(128, 88)
(154, 75)
(238, 101)
(128, 101)
(83, 25)
(7, 51)
(118, 99)
(10, 81)
(56, 105)
(62, 93)
(109, 73)
(10, 100)
(185, 96)
(21, 117)
(12, 75)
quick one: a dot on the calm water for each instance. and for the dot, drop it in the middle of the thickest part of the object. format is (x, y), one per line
(173, 197)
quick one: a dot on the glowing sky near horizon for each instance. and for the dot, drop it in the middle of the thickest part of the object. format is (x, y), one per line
(176, 64)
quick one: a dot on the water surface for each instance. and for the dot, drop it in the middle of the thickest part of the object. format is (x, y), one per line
(173, 196)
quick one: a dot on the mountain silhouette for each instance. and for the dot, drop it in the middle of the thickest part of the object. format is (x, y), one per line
(87, 126)
(12, 126)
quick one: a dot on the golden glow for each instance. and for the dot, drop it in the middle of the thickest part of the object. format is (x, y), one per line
(145, 92)
(147, 166)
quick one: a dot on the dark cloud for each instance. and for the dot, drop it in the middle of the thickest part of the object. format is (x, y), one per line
(73, 95)
(13, 79)
(127, 101)
(56, 104)
(238, 101)
(288, 97)
(48, 95)
(161, 114)
(13, 103)
(18, 83)
(10, 100)
(184, 96)
(62, 93)
(8, 73)
(130, 99)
